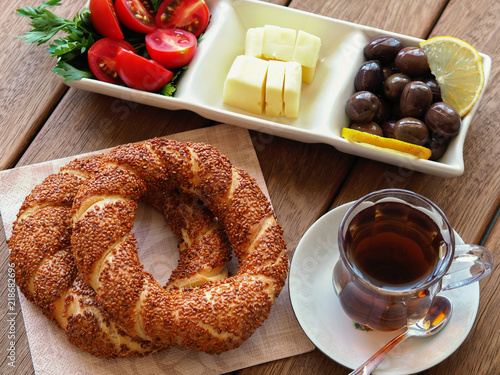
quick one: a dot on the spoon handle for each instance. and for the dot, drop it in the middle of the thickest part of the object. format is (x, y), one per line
(372, 363)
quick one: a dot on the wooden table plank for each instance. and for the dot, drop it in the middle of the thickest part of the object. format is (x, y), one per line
(294, 171)
(413, 18)
(85, 122)
(480, 186)
(303, 179)
(29, 90)
(469, 201)
(455, 196)
(479, 353)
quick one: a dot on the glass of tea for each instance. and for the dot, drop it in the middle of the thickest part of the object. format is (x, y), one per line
(395, 248)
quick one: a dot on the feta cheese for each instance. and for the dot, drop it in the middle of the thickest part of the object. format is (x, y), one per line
(292, 88)
(244, 86)
(254, 42)
(274, 88)
(279, 43)
(306, 53)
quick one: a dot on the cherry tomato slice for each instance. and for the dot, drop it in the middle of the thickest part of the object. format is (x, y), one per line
(172, 48)
(140, 73)
(102, 59)
(190, 15)
(137, 15)
(104, 19)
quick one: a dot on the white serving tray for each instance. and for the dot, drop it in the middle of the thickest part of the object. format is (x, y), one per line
(322, 115)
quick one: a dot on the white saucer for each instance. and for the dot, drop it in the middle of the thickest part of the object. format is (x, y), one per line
(319, 313)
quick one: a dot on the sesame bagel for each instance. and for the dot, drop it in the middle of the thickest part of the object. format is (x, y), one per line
(216, 316)
(47, 275)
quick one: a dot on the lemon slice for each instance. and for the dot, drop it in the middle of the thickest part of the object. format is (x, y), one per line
(353, 135)
(458, 69)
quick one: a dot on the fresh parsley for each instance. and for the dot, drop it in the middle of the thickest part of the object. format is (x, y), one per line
(169, 88)
(70, 49)
(70, 73)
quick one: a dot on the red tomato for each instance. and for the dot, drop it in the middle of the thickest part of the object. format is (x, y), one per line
(140, 73)
(190, 15)
(137, 15)
(103, 17)
(172, 48)
(102, 59)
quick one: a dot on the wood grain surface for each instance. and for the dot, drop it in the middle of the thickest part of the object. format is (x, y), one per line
(41, 119)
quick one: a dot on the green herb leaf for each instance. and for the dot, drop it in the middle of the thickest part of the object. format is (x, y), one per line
(79, 36)
(156, 4)
(69, 72)
(170, 88)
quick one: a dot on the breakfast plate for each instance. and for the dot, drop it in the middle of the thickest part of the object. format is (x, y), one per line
(322, 115)
(321, 317)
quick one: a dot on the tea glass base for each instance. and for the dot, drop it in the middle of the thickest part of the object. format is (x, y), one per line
(319, 313)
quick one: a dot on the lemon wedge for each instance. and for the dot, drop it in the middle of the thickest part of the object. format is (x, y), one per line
(458, 68)
(353, 135)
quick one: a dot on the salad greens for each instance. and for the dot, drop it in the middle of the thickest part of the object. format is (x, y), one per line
(78, 36)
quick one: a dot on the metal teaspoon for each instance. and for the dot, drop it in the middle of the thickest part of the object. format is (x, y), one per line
(436, 318)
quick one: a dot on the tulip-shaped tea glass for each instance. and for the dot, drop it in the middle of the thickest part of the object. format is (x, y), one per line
(397, 251)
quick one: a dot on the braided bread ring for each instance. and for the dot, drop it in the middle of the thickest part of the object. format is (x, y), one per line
(213, 318)
(47, 276)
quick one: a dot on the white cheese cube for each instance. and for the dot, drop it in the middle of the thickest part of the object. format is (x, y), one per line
(274, 88)
(292, 88)
(308, 74)
(244, 86)
(306, 53)
(254, 42)
(279, 43)
(306, 50)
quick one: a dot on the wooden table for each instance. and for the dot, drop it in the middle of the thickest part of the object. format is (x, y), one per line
(41, 119)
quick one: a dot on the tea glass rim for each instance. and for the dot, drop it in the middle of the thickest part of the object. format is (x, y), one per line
(431, 279)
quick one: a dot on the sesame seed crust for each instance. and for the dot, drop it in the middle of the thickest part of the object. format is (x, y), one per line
(188, 218)
(46, 270)
(46, 273)
(77, 259)
(219, 314)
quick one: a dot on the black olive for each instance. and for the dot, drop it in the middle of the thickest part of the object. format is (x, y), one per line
(415, 99)
(394, 85)
(412, 61)
(411, 130)
(388, 128)
(438, 145)
(443, 120)
(369, 77)
(368, 127)
(383, 48)
(362, 106)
